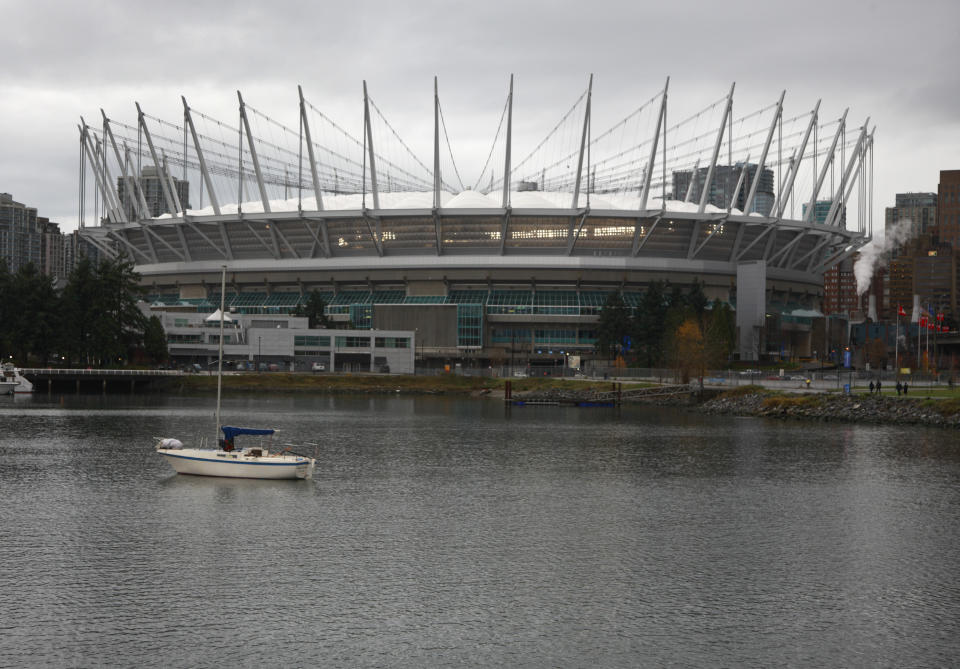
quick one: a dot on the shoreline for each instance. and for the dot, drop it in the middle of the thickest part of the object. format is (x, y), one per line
(745, 401)
(830, 407)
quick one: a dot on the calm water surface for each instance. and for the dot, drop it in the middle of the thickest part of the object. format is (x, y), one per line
(447, 532)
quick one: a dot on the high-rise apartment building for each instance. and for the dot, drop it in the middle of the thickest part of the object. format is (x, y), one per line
(152, 189)
(53, 251)
(20, 235)
(723, 187)
(840, 290)
(919, 210)
(948, 208)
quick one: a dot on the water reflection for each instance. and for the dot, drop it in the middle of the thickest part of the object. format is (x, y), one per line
(444, 531)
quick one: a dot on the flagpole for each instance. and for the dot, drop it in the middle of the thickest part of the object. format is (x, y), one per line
(919, 334)
(896, 348)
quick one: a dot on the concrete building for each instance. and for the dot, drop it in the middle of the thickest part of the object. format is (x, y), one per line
(284, 343)
(20, 234)
(54, 252)
(840, 290)
(935, 279)
(490, 272)
(153, 195)
(920, 209)
(948, 208)
(723, 187)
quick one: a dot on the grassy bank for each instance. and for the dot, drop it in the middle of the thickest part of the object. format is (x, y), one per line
(447, 384)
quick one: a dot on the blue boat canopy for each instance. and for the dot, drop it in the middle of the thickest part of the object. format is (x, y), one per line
(229, 433)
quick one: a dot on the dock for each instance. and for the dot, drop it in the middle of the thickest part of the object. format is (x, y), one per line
(46, 379)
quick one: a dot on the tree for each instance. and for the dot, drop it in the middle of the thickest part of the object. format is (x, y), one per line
(314, 309)
(614, 325)
(155, 341)
(119, 323)
(720, 331)
(690, 354)
(648, 324)
(6, 310)
(697, 300)
(79, 302)
(31, 315)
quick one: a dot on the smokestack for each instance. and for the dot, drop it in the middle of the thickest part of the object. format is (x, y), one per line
(872, 308)
(915, 316)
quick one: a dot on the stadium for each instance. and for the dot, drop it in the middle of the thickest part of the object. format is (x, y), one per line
(517, 264)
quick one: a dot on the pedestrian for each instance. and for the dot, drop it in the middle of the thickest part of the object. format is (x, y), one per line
(899, 388)
(878, 386)
(904, 387)
(871, 387)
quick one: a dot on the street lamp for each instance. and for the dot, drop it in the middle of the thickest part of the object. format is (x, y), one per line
(258, 353)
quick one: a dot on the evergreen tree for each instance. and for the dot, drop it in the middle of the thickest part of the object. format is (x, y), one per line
(697, 300)
(614, 325)
(648, 324)
(79, 302)
(155, 341)
(118, 325)
(6, 311)
(32, 314)
(314, 309)
(721, 333)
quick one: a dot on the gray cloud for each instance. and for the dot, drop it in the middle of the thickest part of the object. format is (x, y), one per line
(66, 59)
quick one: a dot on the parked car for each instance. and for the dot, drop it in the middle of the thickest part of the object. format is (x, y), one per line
(274, 367)
(318, 367)
(240, 366)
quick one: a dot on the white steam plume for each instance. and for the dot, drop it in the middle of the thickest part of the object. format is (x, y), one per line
(876, 252)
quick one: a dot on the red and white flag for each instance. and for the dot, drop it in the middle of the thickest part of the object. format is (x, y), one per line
(900, 311)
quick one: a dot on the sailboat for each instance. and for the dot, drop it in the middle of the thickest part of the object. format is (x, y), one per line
(254, 462)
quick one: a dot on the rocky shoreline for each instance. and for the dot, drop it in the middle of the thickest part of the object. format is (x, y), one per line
(839, 408)
(824, 407)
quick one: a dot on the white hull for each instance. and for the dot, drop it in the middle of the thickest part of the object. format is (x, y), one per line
(204, 462)
(20, 383)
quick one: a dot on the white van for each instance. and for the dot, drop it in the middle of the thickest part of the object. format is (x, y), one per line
(318, 367)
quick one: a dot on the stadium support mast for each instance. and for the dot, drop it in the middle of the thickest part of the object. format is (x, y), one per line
(648, 173)
(506, 162)
(784, 196)
(755, 182)
(693, 180)
(310, 156)
(583, 146)
(705, 194)
(95, 164)
(823, 170)
(108, 135)
(144, 209)
(253, 155)
(188, 119)
(164, 186)
(840, 198)
(436, 146)
(373, 162)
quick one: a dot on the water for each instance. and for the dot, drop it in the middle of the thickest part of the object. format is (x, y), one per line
(449, 532)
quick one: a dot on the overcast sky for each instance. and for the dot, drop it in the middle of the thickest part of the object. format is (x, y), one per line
(896, 62)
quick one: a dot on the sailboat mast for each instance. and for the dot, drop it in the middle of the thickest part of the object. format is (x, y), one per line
(223, 290)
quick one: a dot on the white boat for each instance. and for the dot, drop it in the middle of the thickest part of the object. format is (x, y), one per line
(248, 463)
(225, 461)
(13, 381)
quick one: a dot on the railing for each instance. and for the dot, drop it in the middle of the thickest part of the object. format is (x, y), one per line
(58, 371)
